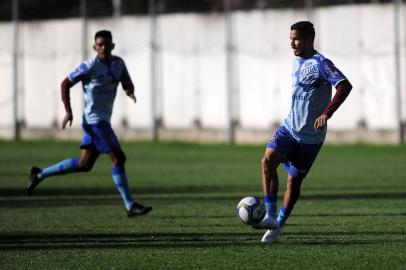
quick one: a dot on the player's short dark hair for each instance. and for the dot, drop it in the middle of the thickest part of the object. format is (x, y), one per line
(103, 33)
(305, 29)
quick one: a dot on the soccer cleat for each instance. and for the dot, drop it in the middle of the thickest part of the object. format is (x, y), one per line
(267, 223)
(138, 210)
(33, 179)
(271, 235)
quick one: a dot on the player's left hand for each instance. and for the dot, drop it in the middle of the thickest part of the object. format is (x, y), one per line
(321, 121)
(130, 94)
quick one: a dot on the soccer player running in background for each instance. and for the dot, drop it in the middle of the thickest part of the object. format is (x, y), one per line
(301, 135)
(100, 77)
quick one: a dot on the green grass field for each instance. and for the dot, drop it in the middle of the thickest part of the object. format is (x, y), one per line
(352, 213)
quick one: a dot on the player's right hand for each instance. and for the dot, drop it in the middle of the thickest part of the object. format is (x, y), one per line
(67, 119)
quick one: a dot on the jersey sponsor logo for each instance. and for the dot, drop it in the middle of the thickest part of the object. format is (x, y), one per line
(304, 97)
(309, 68)
(307, 74)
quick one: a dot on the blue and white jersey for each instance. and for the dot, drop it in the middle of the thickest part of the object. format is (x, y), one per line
(100, 80)
(312, 79)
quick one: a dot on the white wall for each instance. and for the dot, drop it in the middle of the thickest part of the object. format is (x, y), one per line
(358, 39)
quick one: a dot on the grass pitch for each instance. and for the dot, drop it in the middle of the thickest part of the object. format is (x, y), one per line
(352, 213)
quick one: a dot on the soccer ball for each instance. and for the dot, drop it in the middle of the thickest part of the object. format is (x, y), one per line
(250, 210)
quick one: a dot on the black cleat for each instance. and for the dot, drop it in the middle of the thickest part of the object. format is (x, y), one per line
(33, 179)
(138, 210)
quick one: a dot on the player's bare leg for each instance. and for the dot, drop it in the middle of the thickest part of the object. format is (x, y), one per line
(292, 192)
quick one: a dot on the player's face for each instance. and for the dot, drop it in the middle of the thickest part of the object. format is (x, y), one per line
(301, 46)
(103, 47)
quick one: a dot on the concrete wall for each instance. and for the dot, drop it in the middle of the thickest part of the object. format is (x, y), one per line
(192, 95)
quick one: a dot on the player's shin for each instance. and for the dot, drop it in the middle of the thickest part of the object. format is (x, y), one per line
(63, 167)
(270, 205)
(120, 179)
(283, 215)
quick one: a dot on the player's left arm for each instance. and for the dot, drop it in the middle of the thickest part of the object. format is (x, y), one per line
(127, 84)
(343, 89)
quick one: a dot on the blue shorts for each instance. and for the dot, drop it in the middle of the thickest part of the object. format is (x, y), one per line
(299, 156)
(100, 137)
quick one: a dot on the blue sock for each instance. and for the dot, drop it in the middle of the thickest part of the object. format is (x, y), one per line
(270, 205)
(120, 179)
(283, 216)
(65, 166)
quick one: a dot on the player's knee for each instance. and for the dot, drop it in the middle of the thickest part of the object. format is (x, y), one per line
(264, 162)
(265, 165)
(85, 166)
(120, 159)
(268, 164)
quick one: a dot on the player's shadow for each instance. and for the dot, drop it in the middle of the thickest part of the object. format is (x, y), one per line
(29, 241)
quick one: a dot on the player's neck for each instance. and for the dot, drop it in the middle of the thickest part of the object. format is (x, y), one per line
(308, 54)
(106, 59)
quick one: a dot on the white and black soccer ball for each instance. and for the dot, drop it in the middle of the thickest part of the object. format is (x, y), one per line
(250, 210)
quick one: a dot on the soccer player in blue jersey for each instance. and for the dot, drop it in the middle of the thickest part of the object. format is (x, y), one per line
(301, 135)
(100, 77)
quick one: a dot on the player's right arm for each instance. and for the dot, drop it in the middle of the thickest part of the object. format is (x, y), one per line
(75, 76)
(65, 89)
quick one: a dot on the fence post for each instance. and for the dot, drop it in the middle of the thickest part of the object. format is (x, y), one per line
(156, 121)
(17, 127)
(232, 97)
(396, 15)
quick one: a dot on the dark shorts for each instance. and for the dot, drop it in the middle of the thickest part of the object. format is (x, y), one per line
(99, 136)
(299, 156)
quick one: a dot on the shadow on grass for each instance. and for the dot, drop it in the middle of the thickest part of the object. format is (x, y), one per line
(350, 215)
(29, 241)
(80, 191)
(87, 196)
(68, 197)
(31, 202)
(124, 240)
(249, 190)
(210, 192)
